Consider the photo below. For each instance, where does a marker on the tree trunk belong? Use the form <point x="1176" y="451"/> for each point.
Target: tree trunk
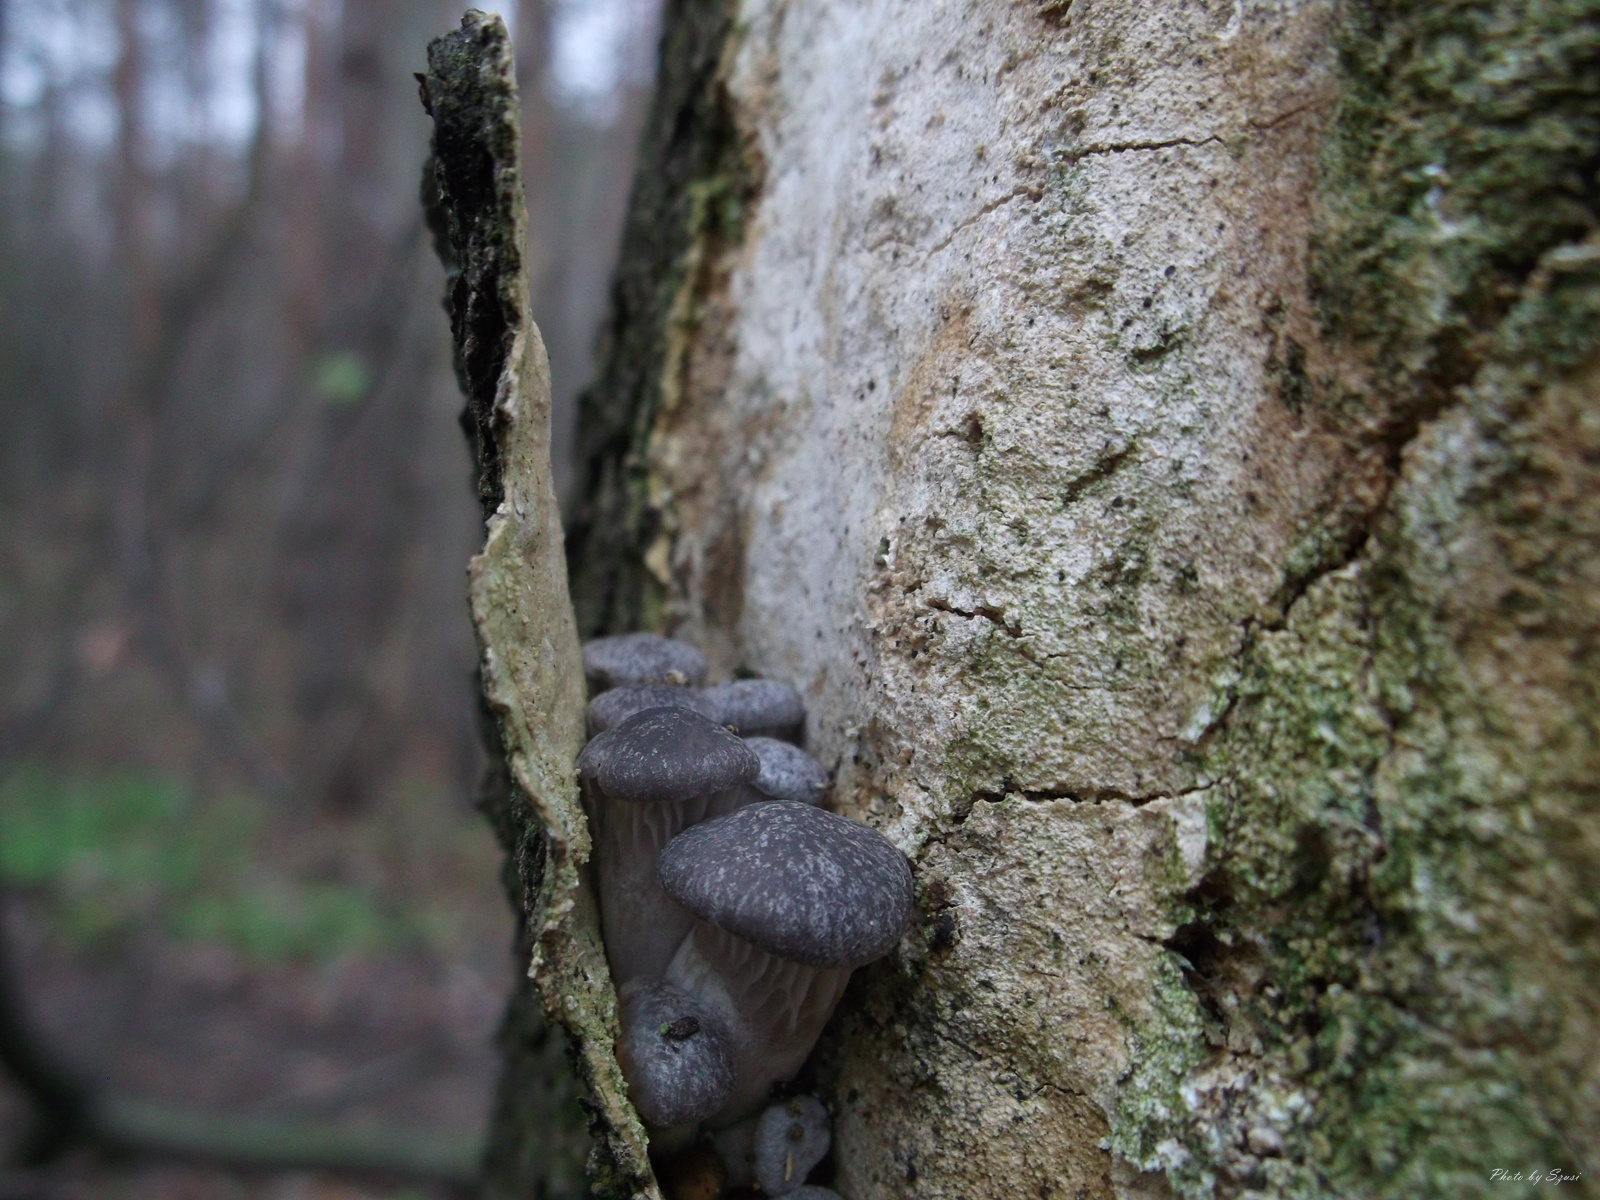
<point x="1162" y="442"/>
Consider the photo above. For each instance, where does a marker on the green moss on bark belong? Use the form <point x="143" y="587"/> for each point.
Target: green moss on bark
<point x="1396" y="929"/>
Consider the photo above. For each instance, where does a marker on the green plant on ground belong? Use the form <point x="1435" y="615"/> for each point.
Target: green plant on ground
<point x="107" y="851"/>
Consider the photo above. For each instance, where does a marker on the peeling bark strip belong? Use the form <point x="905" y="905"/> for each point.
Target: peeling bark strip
<point x="531" y="670"/>
<point x="1160" y="441"/>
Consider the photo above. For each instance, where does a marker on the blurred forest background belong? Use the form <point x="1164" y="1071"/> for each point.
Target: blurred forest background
<point x="241" y="870"/>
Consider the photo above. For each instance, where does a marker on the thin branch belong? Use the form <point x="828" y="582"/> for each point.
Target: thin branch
<point x="156" y="1131"/>
<point x="178" y="309"/>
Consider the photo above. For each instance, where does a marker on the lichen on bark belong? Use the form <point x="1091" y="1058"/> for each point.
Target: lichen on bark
<point x="1396" y="930"/>
<point x="530" y="668"/>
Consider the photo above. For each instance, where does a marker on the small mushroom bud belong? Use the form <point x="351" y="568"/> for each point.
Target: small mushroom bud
<point x="787" y="773"/>
<point x="789" y="899"/>
<point x="758" y="708"/>
<point x="791" y="1139"/>
<point x="612" y="708"/>
<point x="675" y="1055"/>
<point x="645" y="781"/>
<point x="610" y="662"/>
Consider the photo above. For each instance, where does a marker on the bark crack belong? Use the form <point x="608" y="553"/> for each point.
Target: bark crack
<point x="1098" y="148"/>
<point x="1107" y="465"/>
<point x="1030" y="190"/>
<point x="986" y="612"/>
<point x="1094" y="795"/>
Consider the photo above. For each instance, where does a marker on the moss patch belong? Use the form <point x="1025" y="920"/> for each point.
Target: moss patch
<point x="1396" y="934"/>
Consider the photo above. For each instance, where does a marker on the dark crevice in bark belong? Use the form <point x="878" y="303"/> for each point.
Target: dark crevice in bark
<point x="1099" y="795"/>
<point x="984" y="612"/>
<point x="464" y="198"/>
<point x="695" y="179"/>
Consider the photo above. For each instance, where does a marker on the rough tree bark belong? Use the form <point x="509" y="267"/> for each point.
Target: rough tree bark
<point x="532" y="677"/>
<point x="1163" y="442"/>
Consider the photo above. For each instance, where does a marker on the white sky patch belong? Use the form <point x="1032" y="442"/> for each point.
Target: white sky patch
<point x="214" y="105"/>
<point x="286" y="70"/>
<point x="66" y="47"/>
<point x="231" y="108"/>
<point x="69" y="48"/>
<point x="597" y="48"/>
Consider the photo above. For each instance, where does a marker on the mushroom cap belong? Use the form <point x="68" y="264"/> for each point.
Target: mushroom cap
<point x="610" y="662"/>
<point x="799" y="882"/>
<point x="666" y="755"/>
<point x="676" y="1054"/>
<point x="791" y="1139"/>
<point x="753" y="706"/>
<point x="612" y="708"/>
<point x="788" y="772"/>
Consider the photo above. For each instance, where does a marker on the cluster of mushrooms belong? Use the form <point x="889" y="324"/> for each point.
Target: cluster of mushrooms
<point x="734" y="906"/>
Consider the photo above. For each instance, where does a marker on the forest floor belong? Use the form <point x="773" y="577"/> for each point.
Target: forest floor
<point x="227" y="958"/>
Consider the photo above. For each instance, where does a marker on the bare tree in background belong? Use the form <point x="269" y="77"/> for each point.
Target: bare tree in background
<point x="233" y="499"/>
<point x="222" y="349"/>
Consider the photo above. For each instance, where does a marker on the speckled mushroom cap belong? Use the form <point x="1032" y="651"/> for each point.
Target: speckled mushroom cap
<point x="799" y="882"/>
<point x="610" y="662"/>
<point x="791" y="1139"/>
<point x="788" y="772"/>
<point x="674" y="1053"/>
<point x="612" y="708"/>
<point x="666" y="755"/>
<point x="756" y="706"/>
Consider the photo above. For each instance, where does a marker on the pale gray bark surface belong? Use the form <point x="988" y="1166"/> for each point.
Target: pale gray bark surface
<point x="1160" y="440"/>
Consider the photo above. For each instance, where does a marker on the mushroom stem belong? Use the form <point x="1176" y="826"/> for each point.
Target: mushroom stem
<point x="775" y="1008"/>
<point x="642" y="926"/>
<point x="644" y="782"/>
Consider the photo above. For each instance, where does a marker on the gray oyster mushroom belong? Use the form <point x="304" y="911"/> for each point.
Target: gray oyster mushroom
<point x="758" y="708"/>
<point x="676" y="1055"/>
<point x="645" y="781"/>
<point x="787" y="773"/>
<point x="611" y="708"/>
<point x="791" y="1139"/>
<point x="610" y="662"/>
<point x="788" y="900"/>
